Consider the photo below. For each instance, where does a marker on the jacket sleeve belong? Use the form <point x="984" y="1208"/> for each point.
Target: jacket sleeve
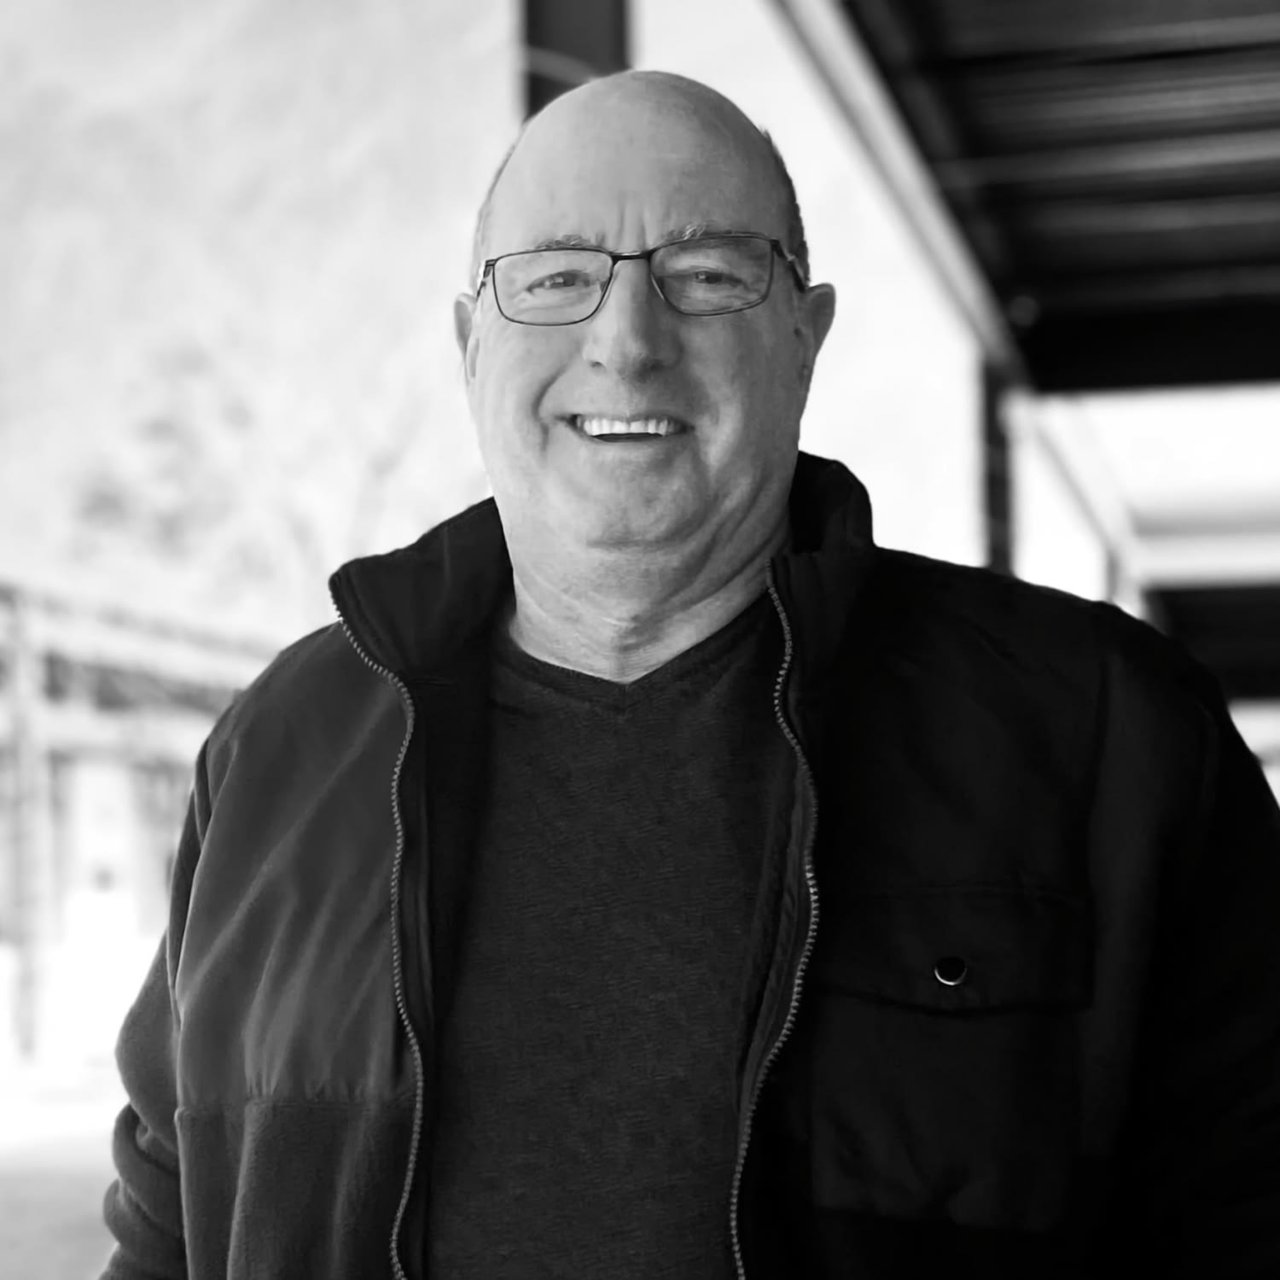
<point x="143" y="1206"/>
<point x="1207" y="1096"/>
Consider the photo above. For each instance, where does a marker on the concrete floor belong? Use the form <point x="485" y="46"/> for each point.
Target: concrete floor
<point x="55" y="1167"/>
<point x="51" y="1219"/>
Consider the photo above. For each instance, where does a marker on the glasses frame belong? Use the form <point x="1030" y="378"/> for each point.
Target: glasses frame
<point x="646" y="256"/>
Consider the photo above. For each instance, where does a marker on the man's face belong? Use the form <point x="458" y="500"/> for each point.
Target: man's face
<point x="626" y="165"/>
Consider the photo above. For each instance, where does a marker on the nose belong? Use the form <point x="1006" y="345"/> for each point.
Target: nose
<point x="635" y="331"/>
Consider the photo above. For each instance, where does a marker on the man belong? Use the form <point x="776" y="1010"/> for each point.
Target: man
<point x="653" y="877"/>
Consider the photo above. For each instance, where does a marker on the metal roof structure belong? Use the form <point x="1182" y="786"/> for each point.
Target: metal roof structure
<point x="1113" y="167"/>
<point x="1097" y="185"/>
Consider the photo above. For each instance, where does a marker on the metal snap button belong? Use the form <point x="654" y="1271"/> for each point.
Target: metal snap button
<point x="951" y="971"/>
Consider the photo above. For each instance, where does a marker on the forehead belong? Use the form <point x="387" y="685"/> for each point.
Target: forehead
<point x="636" y="171"/>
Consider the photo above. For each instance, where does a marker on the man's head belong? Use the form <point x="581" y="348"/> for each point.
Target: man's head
<point x="627" y="163"/>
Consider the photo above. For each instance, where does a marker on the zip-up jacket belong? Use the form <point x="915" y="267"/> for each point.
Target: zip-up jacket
<point x="1020" y="1014"/>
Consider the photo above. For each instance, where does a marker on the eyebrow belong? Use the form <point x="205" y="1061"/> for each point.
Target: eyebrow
<point x="686" y="231"/>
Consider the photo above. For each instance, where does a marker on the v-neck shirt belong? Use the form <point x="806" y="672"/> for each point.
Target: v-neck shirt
<point x="587" y="1100"/>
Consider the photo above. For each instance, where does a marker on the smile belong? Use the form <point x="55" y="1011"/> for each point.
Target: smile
<point x="610" y="430"/>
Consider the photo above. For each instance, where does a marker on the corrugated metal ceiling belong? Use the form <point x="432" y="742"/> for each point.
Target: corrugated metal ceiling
<point x="1114" y="166"/>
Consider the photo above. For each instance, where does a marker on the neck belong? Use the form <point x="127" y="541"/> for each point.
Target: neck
<point x="620" y="626"/>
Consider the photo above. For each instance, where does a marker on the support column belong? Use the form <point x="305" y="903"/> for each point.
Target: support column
<point x="32" y="828"/>
<point x="997" y="471"/>
<point x="568" y="42"/>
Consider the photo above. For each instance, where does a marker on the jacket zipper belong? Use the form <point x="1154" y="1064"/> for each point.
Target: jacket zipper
<point x="402" y="1007"/>
<point x="811" y="881"/>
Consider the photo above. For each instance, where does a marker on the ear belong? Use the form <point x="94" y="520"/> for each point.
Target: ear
<point x="817" y="311"/>
<point x="464" y="325"/>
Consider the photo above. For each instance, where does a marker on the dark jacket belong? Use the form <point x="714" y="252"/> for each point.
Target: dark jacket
<point x="1021" y="1016"/>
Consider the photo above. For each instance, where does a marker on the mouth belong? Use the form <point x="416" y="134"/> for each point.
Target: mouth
<point x="633" y="429"/>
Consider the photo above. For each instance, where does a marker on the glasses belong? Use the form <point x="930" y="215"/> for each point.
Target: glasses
<point x="701" y="276"/>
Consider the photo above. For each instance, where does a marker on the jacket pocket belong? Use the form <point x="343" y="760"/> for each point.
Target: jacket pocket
<point x="941" y="1044"/>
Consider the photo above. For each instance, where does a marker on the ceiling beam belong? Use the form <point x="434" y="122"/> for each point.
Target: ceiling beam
<point x="1095" y="29"/>
<point x="1157" y="290"/>
<point x="1203" y="156"/>
<point x="1128" y="350"/>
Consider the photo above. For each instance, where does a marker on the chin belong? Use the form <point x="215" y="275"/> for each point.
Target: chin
<point x="615" y="530"/>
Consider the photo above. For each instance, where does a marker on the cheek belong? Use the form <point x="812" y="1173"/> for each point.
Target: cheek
<point x="756" y="372"/>
<point x="514" y="368"/>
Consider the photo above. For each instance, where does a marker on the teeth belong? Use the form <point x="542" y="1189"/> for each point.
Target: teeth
<point x="630" y="427"/>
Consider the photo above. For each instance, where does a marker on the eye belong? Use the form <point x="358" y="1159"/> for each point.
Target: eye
<point x="712" y="275"/>
<point x="558" y="280"/>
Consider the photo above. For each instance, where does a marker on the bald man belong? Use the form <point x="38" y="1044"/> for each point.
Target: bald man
<point x="649" y="876"/>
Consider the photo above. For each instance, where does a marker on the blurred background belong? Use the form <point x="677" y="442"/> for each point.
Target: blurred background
<point x="230" y="234"/>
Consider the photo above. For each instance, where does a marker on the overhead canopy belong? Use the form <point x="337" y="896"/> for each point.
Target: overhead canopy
<point x="1097" y="186"/>
<point x="1113" y="167"/>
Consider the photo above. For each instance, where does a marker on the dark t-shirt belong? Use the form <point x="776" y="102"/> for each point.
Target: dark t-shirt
<point x="587" y="1121"/>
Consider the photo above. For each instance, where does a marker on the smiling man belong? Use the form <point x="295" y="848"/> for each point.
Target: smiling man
<point x="639" y="415"/>
<point x="648" y="875"/>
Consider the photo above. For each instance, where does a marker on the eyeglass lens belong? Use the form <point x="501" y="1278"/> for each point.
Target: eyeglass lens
<point x="703" y="276"/>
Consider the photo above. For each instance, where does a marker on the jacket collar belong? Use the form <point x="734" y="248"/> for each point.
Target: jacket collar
<point x="818" y="580"/>
<point x="416" y="608"/>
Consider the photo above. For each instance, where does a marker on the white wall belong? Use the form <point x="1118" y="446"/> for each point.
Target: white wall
<point x="1054" y="542"/>
<point x="1259" y="725"/>
<point x="895" y="393"/>
<point x="1071" y="516"/>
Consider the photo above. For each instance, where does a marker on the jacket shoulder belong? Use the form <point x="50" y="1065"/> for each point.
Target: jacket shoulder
<point x="310" y="686"/>
<point x="923" y="588"/>
<point x="1034" y="626"/>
